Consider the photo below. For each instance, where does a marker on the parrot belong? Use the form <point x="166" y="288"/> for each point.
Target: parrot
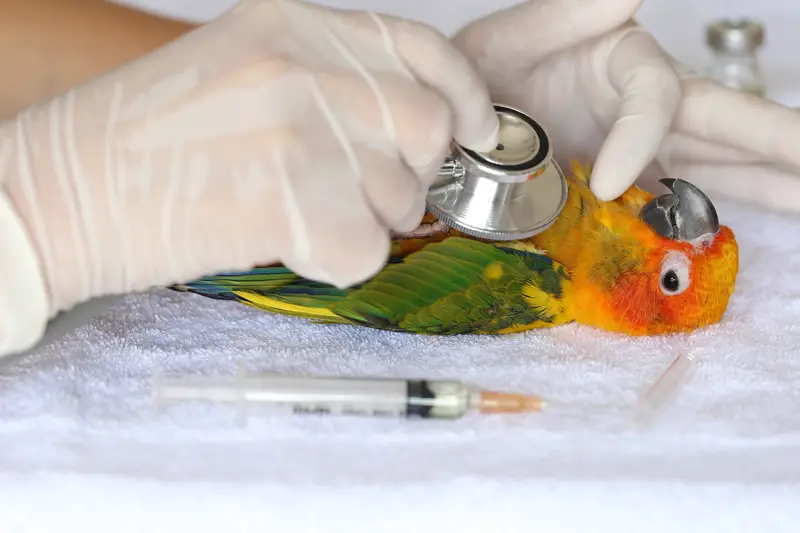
<point x="639" y="265"/>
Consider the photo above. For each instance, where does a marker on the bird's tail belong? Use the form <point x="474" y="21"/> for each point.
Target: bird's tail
<point x="273" y="289"/>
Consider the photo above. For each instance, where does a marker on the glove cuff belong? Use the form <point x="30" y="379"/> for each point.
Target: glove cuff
<point x="23" y="294"/>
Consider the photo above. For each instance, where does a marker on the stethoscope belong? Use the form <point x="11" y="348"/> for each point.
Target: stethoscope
<point x="513" y="192"/>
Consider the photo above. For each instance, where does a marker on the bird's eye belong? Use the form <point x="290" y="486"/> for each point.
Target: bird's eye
<point x="675" y="276"/>
<point x="670" y="281"/>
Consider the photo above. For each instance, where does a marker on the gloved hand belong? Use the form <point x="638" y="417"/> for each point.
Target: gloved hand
<point x="607" y="93"/>
<point x="281" y="131"/>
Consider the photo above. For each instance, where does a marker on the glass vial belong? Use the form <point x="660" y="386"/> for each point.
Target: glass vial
<point x="734" y="45"/>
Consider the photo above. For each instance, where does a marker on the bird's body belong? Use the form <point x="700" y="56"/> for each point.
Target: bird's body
<point x="599" y="264"/>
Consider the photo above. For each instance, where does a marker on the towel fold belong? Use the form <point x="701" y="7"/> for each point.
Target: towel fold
<point x="82" y="446"/>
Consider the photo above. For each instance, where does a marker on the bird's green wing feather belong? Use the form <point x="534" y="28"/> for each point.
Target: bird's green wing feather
<point x="455" y="286"/>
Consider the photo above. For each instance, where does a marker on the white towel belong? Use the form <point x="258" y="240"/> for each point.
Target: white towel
<point x="81" y="447"/>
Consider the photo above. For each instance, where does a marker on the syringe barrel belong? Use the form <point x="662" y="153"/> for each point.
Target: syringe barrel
<point x="323" y="395"/>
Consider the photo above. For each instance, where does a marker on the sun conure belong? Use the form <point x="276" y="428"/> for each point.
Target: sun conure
<point x="640" y="265"/>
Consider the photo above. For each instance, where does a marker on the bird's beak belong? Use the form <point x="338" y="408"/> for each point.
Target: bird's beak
<point x="686" y="214"/>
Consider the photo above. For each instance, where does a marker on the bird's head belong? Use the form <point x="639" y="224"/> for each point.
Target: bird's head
<point x="670" y="269"/>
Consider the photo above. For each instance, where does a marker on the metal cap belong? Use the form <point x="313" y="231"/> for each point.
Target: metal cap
<point x="513" y="192"/>
<point x="735" y="35"/>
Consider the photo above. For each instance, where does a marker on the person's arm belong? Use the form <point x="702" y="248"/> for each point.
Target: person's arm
<point x="49" y="46"/>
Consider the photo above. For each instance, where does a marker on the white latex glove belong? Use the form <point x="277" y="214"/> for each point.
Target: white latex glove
<point x="281" y="131"/>
<point x="608" y="94"/>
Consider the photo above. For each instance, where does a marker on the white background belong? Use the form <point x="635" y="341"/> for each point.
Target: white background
<point x="677" y="24"/>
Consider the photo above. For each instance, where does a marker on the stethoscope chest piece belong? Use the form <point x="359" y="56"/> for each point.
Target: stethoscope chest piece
<point x="513" y="192"/>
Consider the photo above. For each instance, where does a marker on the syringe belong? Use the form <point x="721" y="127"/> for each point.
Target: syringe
<point x="411" y="398"/>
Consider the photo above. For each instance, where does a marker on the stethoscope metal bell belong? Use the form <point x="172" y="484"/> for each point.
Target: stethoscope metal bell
<point x="513" y="192"/>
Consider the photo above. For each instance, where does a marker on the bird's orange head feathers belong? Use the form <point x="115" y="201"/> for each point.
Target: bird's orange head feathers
<point x="642" y="265"/>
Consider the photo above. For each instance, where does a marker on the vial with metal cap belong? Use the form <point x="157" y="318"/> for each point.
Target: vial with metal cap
<point x="734" y="44"/>
<point x="513" y="192"/>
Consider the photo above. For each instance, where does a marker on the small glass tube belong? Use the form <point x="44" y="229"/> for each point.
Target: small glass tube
<point x="734" y="44"/>
<point x="664" y="390"/>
